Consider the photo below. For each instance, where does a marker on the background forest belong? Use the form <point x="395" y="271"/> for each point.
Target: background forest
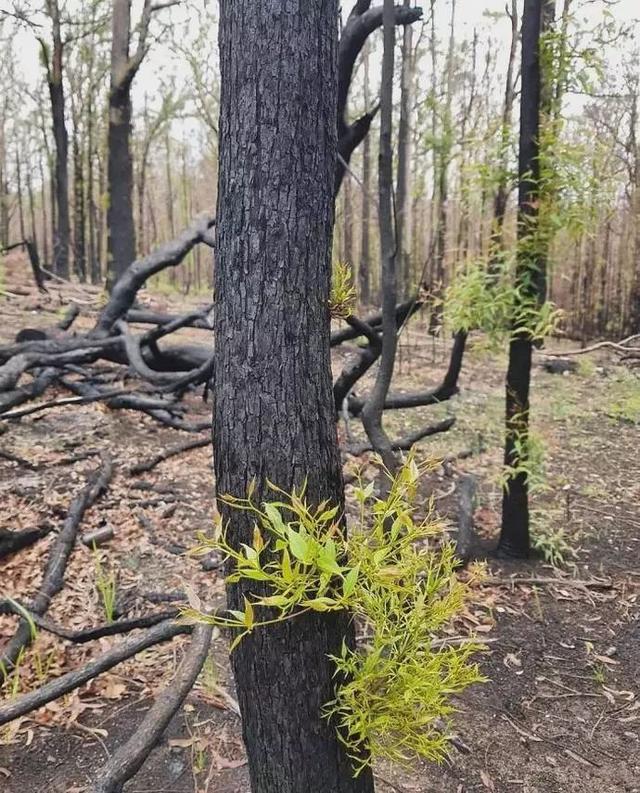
<point x="455" y="126"/>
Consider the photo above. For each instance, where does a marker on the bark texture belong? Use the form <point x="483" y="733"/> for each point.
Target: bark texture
<point x="121" y="231"/>
<point x="273" y="406"/>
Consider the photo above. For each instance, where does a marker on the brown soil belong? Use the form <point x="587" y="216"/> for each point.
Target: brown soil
<point x="561" y="708"/>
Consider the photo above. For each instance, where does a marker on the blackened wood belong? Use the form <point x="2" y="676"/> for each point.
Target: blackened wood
<point x="531" y="276"/>
<point x="403" y="311"/>
<point x="407" y="441"/>
<point x="53" y="579"/>
<point x="274" y="416"/>
<point x="127" y="760"/>
<point x="69" y="682"/>
<point x="12" y="541"/>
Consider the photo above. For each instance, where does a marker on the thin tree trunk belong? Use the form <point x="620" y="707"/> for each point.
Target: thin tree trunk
<point x="514" y="537"/>
<point x="403" y="185"/>
<point x="374" y="406"/>
<point x="62" y="228"/>
<point x="502" y="193"/>
<point x="45" y="223"/>
<point x="32" y="208"/>
<point x="121" y="237"/>
<point x="79" y="218"/>
<point x="364" y="271"/>
<point x="21" y="224"/>
<point x="273" y="406"/>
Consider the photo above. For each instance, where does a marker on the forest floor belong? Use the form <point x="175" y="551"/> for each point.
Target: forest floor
<point x="560" y="710"/>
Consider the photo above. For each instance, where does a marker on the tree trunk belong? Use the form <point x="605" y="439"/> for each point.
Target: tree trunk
<point x="403" y="186"/>
<point x="514" y="537"/>
<point x="21" y="225"/>
<point x="364" y="271"/>
<point x="121" y="237"/>
<point x="4" y="189"/>
<point x="62" y="228"/>
<point x="374" y="406"/>
<point x="273" y="406"/>
<point x="33" y="233"/>
<point x="502" y="193"/>
<point x="45" y="223"/>
<point x="79" y="218"/>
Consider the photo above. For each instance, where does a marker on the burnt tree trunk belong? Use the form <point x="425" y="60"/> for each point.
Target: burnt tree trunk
<point x="530" y="275"/>
<point x="273" y="406"/>
<point x="364" y="270"/>
<point x="403" y="183"/>
<point x="374" y="406"/>
<point x="61" y="233"/>
<point x="121" y="238"/>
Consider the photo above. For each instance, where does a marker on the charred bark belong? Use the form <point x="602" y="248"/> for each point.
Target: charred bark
<point x="273" y="409"/>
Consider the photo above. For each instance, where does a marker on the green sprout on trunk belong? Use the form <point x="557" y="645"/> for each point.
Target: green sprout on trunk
<point x="390" y="575"/>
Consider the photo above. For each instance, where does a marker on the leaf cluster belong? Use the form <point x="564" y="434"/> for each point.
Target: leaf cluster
<point x="490" y="298"/>
<point x="342" y="299"/>
<point x="393" y="691"/>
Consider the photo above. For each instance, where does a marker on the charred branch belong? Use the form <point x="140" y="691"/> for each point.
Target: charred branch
<point x="447" y="389"/>
<point x="12" y="541"/>
<point x="406" y="442"/>
<point x="128" y="759"/>
<point x="53" y="579"/>
<point x="69" y="682"/>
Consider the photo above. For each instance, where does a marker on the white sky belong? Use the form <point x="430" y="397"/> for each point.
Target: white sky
<point x="470" y="14"/>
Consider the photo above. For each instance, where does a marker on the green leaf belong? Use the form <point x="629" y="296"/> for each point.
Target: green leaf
<point x="287" y="572"/>
<point x="320" y="604"/>
<point x="275" y="518"/>
<point x="249" y="617"/>
<point x="350" y="580"/>
<point x="274" y="600"/>
<point x="298" y="544"/>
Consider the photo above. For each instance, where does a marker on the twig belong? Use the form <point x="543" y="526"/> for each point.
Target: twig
<point x="88" y="634"/>
<point x="72" y="680"/>
<point x="128" y="759"/>
<point x="593" y="583"/>
<point x="148" y="465"/>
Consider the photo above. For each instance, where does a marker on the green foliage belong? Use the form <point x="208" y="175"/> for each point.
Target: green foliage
<point x="529" y="458"/>
<point x="396" y="687"/>
<point x="497" y="304"/>
<point x="106" y="585"/>
<point x="549" y="539"/>
<point x="342" y="299"/>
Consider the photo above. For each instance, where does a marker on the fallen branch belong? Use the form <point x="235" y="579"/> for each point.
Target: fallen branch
<point x="619" y="346"/>
<point x="13" y="541"/>
<point x="53" y="579"/>
<point x="447" y="389"/>
<point x="148" y="465"/>
<point x="72" y="680"/>
<point x="128" y="759"/>
<point x="15" y="458"/>
<point x="126" y="287"/>
<point x="593" y="583"/>
<point x="405" y="443"/>
<point x="87" y="634"/>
